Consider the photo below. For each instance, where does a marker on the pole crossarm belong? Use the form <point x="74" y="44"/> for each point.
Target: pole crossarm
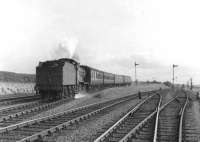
<point x="136" y="64"/>
<point x="175" y="65"/>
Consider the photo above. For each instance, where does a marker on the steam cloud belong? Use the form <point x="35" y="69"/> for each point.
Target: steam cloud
<point x="67" y="49"/>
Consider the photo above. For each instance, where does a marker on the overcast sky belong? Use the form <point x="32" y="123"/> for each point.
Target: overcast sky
<point x="105" y="34"/>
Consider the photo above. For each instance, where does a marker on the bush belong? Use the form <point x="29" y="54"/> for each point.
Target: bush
<point x="167" y="83"/>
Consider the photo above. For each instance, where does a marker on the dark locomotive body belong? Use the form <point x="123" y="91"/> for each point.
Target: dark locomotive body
<point x="63" y="78"/>
<point x="57" y="79"/>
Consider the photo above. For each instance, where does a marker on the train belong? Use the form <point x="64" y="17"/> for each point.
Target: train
<point x="65" y="77"/>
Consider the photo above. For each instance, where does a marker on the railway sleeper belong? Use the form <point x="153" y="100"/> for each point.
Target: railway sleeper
<point x="167" y="133"/>
<point x="167" y="139"/>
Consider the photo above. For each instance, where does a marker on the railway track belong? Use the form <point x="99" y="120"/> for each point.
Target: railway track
<point x="17" y="100"/>
<point x="161" y="124"/>
<point x="13" y="115"/>
<point x="37" y="128"/>
<point x="191" y="127"/>
<point x="5" y="111"/>
<point x="170" y="120"/>
<point x="18" y="113"/>
<point x="130" y="123"/>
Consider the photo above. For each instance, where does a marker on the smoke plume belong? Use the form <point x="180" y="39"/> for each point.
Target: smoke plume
<point x="67" y="49"/>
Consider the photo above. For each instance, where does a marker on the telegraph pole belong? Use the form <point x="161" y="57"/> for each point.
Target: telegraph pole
<point x="136" y="72"/>
<point x="191" y="84"/>
<point x="188" y="86"/>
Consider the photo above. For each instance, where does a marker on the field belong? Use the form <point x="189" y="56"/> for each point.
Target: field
<point x="9" y="88"/>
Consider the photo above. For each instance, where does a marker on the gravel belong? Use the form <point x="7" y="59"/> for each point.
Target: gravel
<point x="89" y="130"/>
<point x="192" y="123"/>
<point x="95" y="126"/>
<point x="92" y="128"/>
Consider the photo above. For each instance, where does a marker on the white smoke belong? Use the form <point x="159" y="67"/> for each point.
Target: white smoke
<point x="70" y="44"/>
<point x="66" y="49"/>
<point x="61" y="52"/>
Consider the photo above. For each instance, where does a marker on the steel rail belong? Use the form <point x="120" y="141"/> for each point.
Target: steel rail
<point x="160" y="109"/>
<point x="65" y="124"/>
<point x="156" y="123"/>
<point x="60" y="126"/>
<point x="34" y="121"/>
<point x="28" y="97"/>
<point x="34" y="109"/>
<point x="129" y="135"/>
<point x="11" y="127"/>
<point x="7" y="108"/>
<point x="111" y="129"/>
<point x="141" y="124"/>
<point x="181" y="119"/>
<point x="157" y="117"/>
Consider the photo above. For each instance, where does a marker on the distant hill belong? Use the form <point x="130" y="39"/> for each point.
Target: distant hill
<point x="16" y="77"/>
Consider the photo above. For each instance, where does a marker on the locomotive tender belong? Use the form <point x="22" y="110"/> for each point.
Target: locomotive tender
<point x="63" y="78"/>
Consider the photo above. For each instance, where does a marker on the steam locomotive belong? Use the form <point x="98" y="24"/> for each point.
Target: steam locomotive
<point x="63" y="78"/>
